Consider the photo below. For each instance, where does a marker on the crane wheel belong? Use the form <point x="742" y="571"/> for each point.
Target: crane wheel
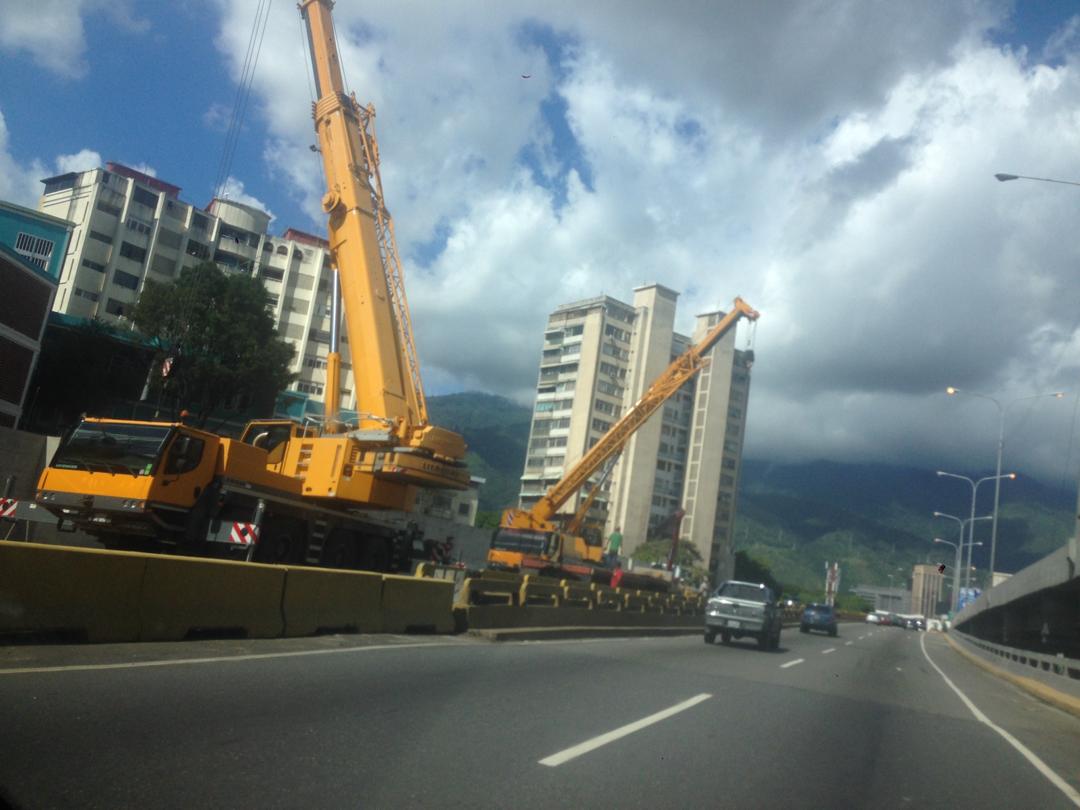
<point x="339" y="550"/>
<point x="281" y="541"/>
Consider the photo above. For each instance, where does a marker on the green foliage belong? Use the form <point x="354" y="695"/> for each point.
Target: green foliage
<point x="223" y="338"/>
<point x="487" y="520"/>
<point x="658" y="550"/>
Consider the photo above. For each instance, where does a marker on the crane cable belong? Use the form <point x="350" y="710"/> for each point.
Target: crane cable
<point x="243" y="93"/>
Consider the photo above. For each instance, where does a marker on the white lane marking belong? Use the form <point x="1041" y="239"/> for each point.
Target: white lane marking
<point x="848" y="643"/>
<point x="220" y="659"/>
<point x="792" y="663"/>
<point x="568" y="754"/>
<point x="826" y="652"/>
<point x="899" y="670"/>
<point x="861" y="638"/>
<point x="1030" y="756"/>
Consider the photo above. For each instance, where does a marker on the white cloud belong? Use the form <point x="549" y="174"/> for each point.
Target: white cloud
<point x="18" y="184"/>
<point x="233" y="189"/>
<point x="81" y="161"/>
<point x="51" y="31"/>
<point x="144" y="168"/>
<point x="832" y="163"/>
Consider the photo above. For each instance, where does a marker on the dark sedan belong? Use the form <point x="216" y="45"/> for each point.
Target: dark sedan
<point x="818" y="617"/>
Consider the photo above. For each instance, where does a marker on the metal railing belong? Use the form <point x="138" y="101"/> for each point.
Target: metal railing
<point x="1050" y="664"/>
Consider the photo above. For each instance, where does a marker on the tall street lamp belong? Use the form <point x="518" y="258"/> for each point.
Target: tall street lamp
<point x="974" y="490"/>
<point x="1002" y="411"/>
<point x="959" y="550"/>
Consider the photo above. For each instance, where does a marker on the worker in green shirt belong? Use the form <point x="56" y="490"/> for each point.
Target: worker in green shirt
<point x="614" y="544"/>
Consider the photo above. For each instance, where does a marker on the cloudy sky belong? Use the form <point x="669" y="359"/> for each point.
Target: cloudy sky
<point x="830" y="162"/>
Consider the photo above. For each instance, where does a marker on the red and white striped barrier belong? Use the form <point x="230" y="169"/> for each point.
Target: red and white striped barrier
<point x="244" y="534"/>
<point x="8" y="507"/>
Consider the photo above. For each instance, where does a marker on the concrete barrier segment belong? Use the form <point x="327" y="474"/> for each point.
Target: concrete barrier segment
<point x="319" y="600"/>
<point x="186" y="597"/>
<point x="415" y="605"/>
<point x="89" y="593"/>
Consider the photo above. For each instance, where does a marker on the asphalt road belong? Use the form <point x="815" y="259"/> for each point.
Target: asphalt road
<point x="862" y="720"/>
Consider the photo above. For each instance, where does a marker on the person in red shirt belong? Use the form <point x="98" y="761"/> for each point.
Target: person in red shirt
<point x="616" y="575"/>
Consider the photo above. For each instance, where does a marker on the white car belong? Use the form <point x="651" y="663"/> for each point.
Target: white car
<point x="873" y="618"/>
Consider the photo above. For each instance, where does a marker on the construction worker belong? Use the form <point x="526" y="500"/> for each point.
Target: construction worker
<point x="614" y="544"/>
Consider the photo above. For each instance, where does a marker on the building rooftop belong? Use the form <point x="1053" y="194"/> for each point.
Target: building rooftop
<point x="146" y="179"/>
<point x="33" y="213"/>
<point x="298" y="235"/>
<point x="592" y="303"/>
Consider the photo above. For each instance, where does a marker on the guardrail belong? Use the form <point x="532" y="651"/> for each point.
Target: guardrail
<point x="1050" y="664"/>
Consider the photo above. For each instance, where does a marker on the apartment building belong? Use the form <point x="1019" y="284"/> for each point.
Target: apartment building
<point x="129" y="227"/>
<point x="927" y="584"/>
<point x="32" y="247"/>
<point x="600" y="355"/>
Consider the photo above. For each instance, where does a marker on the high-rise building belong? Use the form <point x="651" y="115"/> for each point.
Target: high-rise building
<point x="130" y="227"/>
<point x="926" y="586"/>
<point x="600" y="355"/>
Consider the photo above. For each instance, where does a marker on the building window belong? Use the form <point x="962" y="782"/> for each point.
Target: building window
<point x="144" y="197"/>
<point x="114" y="307"/>
<point x="138" y="225"/>
<point x="272" y="273"/>
<point x="604" y="407"/>
<point x="314" y="362"/>
<point x="100" y="268"/>
<point x="106" y="208"/>
<point x="99" y="236"/>
<point x="126" y="280"/>
<point x="34" y="248"/>
<point x="272" y="300"/>
<point x="197" y="249"/>
<point x="90" y="296"/>
<point x="199" y="222"/>
<point x="163" y="265"/>
<point x="309" y="388"/>
<point x="60" y="183"/>
<point x="319" y="336"/>
<point x="282" y="250"/>
<point x="133" y="252"/>
<point x="600" y="425"/>
<point x="170" y="239"/>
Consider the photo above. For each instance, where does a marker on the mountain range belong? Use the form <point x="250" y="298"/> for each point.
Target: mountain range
<point x="875" y="519"/>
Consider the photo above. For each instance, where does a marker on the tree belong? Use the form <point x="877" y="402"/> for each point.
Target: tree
<point x="224" y="346"/>
<point x="748" y="569"/>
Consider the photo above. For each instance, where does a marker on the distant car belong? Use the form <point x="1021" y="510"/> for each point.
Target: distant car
<point x="873" y="618"/>
<point x="934" y="624"/>
<point x="818" y="617"/>
<point x="740" y="609"/>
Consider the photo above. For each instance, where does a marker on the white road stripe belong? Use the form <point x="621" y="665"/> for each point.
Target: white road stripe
<point x="596" y="742"/>
<point x="861" y="638"/>
<point x="220" y="659"/>
<point x="1030" y="756"/>
<point x="848" y="643"/>
<point x="826" y="652"/>
<point x="792" y="663"/>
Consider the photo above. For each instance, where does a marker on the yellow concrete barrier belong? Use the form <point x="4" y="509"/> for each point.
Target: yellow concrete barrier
<point x="502" y="590"/>
<point x="185" y="596"/>
<point x="539" y="591"/>
<point x="606" y="598"/>
<point x="56" y="589"/>
<point x="576" y="594"/>
<point x="320" y="600"/>
<point x="633" y="600"/>
<point x="413" y="604"/>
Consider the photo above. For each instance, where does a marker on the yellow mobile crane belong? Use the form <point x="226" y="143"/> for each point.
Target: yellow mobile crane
<point x="533" y="538"/>
<point x="332" y="494"/>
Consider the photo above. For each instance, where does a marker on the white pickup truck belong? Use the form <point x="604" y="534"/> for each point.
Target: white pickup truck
<point x="738" y="609"/>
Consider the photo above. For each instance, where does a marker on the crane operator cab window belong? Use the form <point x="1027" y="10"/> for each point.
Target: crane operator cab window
<point x="184" y="455"/>
<point x="272" y="438"/>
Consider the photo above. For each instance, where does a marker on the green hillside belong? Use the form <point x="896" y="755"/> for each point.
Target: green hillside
<point x="874" y="519"/>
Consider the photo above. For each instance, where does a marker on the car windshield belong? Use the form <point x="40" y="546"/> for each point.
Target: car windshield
<point x="740" y="590"/>
<point x="113" y="447"/>
<point x="819" y="608"/>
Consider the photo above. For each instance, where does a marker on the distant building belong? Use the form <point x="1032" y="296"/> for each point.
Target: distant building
<point x="32" y="250"/>
<point x="129" y="227"/>
<point x="599" y="356"/>
<point x="459" y="506"/>
<point x="926" y="587"/>
<point x="890" y="600"/>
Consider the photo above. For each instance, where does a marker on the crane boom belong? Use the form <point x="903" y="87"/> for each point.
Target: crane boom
<point x="362" y="238"/>
<point x="681" y="369"/>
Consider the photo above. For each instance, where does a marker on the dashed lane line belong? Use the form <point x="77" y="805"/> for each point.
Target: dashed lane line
<point x="792" y="663"/>
<point x="848" y="643"/>
<point x="576" y="751"/>
<point x="826" y="652"/>
<point x="1025" y="752"/>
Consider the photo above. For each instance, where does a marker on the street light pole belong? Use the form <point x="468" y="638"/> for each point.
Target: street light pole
<point x="1004" y="177"/>
<point x="1002" y="411"/>
<point x="959" y="551"/>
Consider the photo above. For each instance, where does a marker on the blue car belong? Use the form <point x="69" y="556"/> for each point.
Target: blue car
<point x="818" y="617"/>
